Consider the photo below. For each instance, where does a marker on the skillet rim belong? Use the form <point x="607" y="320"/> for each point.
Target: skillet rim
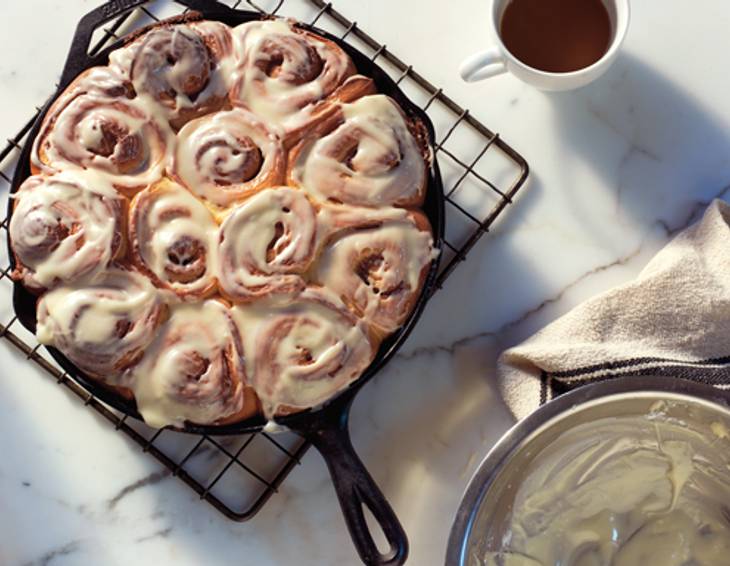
<point x="24" y="302"/>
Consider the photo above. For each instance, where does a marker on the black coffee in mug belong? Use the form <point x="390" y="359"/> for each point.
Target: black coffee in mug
<point x="558" y="36"/>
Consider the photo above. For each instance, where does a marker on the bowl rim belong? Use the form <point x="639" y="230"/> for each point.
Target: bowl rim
<point x="540" y="420"/>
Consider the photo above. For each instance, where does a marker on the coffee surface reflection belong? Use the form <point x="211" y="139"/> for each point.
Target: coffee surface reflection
<point x="558" y="36"/>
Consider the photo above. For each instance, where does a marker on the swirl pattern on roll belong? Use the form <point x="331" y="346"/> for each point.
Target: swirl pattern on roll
<point x="100" y="81"/>
<point x="305" y="349"/>
<point x="111" y="136"/>
<point x="63" y="228"/>
<point x="219" y="41"/>
<point x="194" y="371"/>
<point x="104" y="325"/>
<point x="288" y="76"/>
<point x="226" y="156"/>
<point x="176" y="67"/>
<point x="378" y="271"/>
<point x="368" y="156"/>
<point x="266" y="244"/>
<point x="173" y="237"/>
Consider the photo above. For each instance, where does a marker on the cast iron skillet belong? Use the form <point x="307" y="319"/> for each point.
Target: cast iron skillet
<point x="327" y="426"/>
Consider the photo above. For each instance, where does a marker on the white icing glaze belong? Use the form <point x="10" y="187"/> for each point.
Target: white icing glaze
<point x="102" y="81"/>
<point x="115" y="137"/>
<point x="112" y="128"/>
<point x="266" y="243"/>
<point x="194" y="370"/>
<point x="334" y="218"/>
<point x="224" y="156"/>
<point x="217" y="36"/>
<point x="623" y="491"/>
<point x="174" y="237"/>
<point x="377" y="271"/>
<point x="720" y="430"/>
<point x="102" y="325"/>
<point x="64" y="227"/>
<point x="272" y="427"/>
<point x="369" y="159"/>
<point x="174" y="72"/>
<point x="281" y="74"/>
<point x="302" y="350"/>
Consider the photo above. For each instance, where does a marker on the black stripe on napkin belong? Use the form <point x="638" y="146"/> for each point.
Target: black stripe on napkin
<point x="621" y="364"/>
<point x="715" y="372"/>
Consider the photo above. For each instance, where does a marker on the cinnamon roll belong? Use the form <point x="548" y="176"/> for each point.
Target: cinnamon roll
<point x="102" y="326"/>
<point x="172" y="237"/>
<point x="194" y="371"/>
<point x="306" y="349"/>
<point x="100" y="81"/>
<point x="63" y="228"/>
<point x="266" y="244"/>
<point x="378" y="271"/>
<point x="219" y="41"/>
<point x="177" y="69"/>
<point x="226" y="156"/>
<point x="112" y="136"/>
<point x="365" y="155"/>
<point x="290" y="77"/>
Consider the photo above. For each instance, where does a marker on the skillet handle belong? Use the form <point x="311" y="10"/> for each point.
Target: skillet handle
<point x="355" y="490"/>
<point x="78" y="57"/>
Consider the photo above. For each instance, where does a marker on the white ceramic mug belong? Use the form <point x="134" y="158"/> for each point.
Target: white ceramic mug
<point x="498" y="59"/>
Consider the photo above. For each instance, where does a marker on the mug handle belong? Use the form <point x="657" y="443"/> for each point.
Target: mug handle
<point x="483" y="65"/>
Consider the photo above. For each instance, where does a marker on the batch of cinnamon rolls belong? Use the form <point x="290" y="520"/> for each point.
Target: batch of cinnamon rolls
<point x="223" y="222"/>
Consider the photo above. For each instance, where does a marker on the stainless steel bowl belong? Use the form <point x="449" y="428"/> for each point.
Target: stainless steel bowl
<point x="486" y="504"/>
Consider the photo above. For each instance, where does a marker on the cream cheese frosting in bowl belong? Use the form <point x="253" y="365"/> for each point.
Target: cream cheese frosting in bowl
<point x="624" y="473"/>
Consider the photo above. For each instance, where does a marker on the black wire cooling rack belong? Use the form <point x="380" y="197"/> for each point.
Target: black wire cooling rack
<point x="481" y="174"/>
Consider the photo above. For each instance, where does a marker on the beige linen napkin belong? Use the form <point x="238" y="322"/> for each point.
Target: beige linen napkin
<point x="673" y="320"/>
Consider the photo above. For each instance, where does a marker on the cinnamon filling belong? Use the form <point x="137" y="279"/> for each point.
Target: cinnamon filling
<point x="226" y="170"/>
<point x="48" y="236"/>
<point x="275" y="246"/>
<point x="172" y="62"/>
<point x="121" y="328"/>
<point x="335" y="371"/>
<point x="400" y="287"/>
<point x="167" y="97"/>
<point x="197" y="374"/>
<point x="367" y="264"/>
<point x="349" y="148"/>
<point x="129" y="155"/>
<point x="272" y="66"/>
<point x="291" y="60"/>
<point x="304" y="356"/>
<point x="122" y="90"/>
<point x="187" y="260"/>
<point x="171" y="213"/>
<point x="190" y="53"/>
<point x="345" y="148"/>
<point x="116" y="143"/>
<point x="386" y="160"/>
<point x="195" y="367"/>
<point x="110" y="134"/>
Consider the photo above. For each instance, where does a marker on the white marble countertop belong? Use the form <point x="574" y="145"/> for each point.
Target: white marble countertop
<point x="617" y="168"/>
